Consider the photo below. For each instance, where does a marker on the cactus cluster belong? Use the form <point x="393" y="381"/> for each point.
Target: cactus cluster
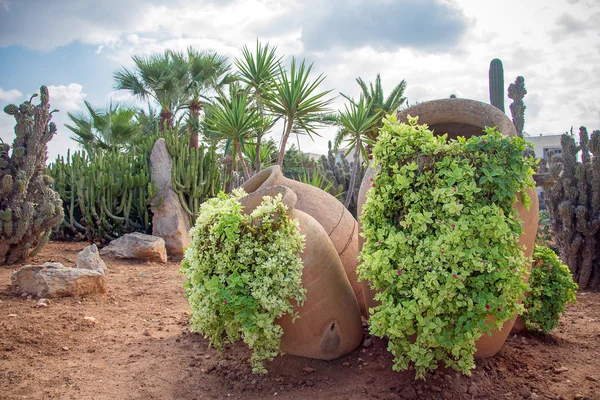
<point x="105" y="196"/>
<point x="496" y="77"/>
<point x="572" y="196"/>
<point x="195" y="176"/>
<point x="340" y="174"/>
<point x="29" y="208"/>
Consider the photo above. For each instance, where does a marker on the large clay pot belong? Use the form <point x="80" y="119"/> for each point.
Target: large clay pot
<point x="462" y="117"/>
<point x="329" y="323"/>
<point x="340" y="225"/>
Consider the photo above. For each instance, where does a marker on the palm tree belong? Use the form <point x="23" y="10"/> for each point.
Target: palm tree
<point x="161" y="77"/>
<point x="113" y="128"/>
<point x="295" y="99"/>
<point x="356" y="122"/>
<point x="207" y="70"/>
<point x="258" y="71"/>
<point x="236" y="121"/>
<point x="380" y="106"/>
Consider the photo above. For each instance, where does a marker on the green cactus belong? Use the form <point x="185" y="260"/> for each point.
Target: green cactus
<point x="516" y="92"/>
<point x="29" y="208"/>
<point x="572" y="197"/>
<point x="195" y="176"/>
<point x="496" y="77"/>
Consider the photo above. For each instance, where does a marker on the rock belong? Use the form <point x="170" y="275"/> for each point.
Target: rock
<point x="56" y="280"/>
<point x="65" y="348"/>
<point x="591" y="378"/>
<point x="367" y="342"/>
<point x="89" y="258"/>
<point x="42" y="303"/>
<point x="12" y="315"/>
<point x="473" y="389"/>
<point x="534" y="396"/>
<point x="308" y="370"/>
<point x="146" y="332"/>
<point x="560" y="370"/>
<point x="436" y="388"/>
<point x="137" y="246"/>
<point x="90" y="319"/>
<point x="346" y="364"/>
<point x="169" y="220"/>
<point x="408" y="393"/>
<point x="525" y="392"/>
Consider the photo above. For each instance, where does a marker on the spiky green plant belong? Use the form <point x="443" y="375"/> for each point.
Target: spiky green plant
<point x="496" y="77"/>
<point x="29" y="208"/>
<point x="516" y="92"/>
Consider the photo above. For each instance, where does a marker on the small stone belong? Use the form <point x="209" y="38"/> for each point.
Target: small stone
<point x="436" y="388"/>
<point x="591" y="378"/>
<point x="578" y="397"/>
<point x="309" y="370"/>
<point x="560" y="370"/>
<point x="42" y="303"/>
<point x="146" y="332"/>
<point x="525" y="392"/>
<point x="346" y="364"/>
<point x="472" y="390"/>
<point x="367" y="342"/>
<point x="29" y="297"/>
<point x="207" y="357"/>
<point x="65" y="348"/>
<point x="534" y="396"/>
<point x="12" y="315"/>
<point x="90" y="319"/>
<point x="408" y="393"/>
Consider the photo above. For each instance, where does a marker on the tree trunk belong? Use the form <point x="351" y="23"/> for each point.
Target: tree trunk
<point x="166" y="120"/>
<point x="353" y="179"/>
<point x="257" y="165"/>
<point x="284" y="139"/>
<point x="195" y="108"/>
<point x="241" y="155"/>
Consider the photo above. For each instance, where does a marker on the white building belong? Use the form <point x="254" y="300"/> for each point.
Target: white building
<point x="543" y="144"/>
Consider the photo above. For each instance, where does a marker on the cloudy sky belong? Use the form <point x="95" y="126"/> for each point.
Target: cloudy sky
<point x="440" y="47"/>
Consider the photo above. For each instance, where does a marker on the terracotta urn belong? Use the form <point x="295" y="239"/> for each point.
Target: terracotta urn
<point x="329" y="323"/>
<point x="463" y="117"/>
<point x="340" y="225"/>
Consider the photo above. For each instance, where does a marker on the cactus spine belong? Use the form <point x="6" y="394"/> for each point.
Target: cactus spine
<point x="516" y="92"/>
<point x="496" y="77"/>
<point x="572" y="196"/>
<point x="29" y="208"/>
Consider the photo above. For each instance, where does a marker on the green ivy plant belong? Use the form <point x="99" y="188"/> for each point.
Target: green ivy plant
<point x="242" y="272"/>
<point x="552" y="287"/>
<point x="441" y="247"/>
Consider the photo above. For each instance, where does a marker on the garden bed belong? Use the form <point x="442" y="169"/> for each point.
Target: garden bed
<point x="137" y="345"/>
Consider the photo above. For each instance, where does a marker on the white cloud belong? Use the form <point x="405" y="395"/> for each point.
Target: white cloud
<point x="10" y="95"/>
<point x="67" y="98"/>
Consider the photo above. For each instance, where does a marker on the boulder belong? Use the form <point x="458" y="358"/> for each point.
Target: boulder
<point x="56" y="280"/>
<point x="89" y="258"/>
<point x="169" y="220"/>
<point x="138" y="246"/>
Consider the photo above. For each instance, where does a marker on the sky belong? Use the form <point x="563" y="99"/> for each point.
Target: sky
<point x="440" y="47"/>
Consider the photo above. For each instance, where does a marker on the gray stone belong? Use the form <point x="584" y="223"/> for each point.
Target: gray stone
<point x="89" y="258"/>
<point x="137" y="246"/>
<point x="169" y="220"/>
<point x="55" y="280"/>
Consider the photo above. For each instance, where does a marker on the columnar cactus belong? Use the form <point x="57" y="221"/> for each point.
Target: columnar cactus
<point x="572" y="196"/>
<point x="29" y="209"/>
<point x="516" y="92"/>
<point x="496" y="76"/>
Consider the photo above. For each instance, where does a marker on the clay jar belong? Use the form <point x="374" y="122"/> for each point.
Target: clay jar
<point x="329" y="323"/>
<point x="340" y="225"/>
<point x="462" y="117"/>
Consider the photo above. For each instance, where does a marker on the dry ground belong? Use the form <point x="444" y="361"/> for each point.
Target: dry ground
<point x="140" y="347"/>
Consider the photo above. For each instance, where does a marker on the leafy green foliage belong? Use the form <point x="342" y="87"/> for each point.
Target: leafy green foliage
<point x="441" y="245"/>
<point x="241" y="273"/>
<point x="552" y="287"/>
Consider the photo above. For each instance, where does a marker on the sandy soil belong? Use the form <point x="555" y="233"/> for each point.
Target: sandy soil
<point x="138" y="346"/>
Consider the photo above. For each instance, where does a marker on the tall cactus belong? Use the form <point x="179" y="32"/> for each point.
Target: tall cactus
<point x="572" y="196"/>
<point x="516" y="92"/>
<point x="29" y="208"/>
<point x="195" y="176"/>
<point x="496" y="77"/>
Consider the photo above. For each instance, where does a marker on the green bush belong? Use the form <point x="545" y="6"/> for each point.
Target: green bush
<point x="441" y="245"/>
<point x="552" y="287"/>
<point x="241" y="273"/>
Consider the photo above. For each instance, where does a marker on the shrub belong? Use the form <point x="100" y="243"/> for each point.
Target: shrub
<point x="552" y="287"/>
<point x="441" y="245"/>
<point x="241" y="271"/>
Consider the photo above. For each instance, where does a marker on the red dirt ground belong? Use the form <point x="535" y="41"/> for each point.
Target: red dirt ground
<point x="140" y="347"/>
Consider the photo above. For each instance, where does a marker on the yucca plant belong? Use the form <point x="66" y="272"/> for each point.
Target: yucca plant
<point x="297" y="100"/>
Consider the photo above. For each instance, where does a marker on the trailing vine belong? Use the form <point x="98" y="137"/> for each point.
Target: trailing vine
<point x="441" y="247"/>
<point x="241" y="273"/>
